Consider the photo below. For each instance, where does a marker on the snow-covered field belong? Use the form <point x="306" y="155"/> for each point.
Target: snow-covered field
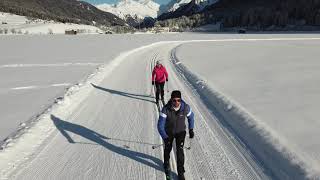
<point x="15" y="24"/>
<point x="272" y="83"/>
<point x="64" y="60"/>
<point x="105" y="126"/>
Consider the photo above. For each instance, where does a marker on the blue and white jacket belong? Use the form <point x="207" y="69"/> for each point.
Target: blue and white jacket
<point x="172" y="122"/>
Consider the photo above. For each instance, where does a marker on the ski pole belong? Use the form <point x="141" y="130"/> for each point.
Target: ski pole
<point x="157" y="146"/>
<point x="151" y="91"/>
<point x="167" y="86"/>
<point x="155" y="90"/>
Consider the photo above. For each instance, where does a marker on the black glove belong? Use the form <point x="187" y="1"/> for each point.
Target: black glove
<point x="152" y="82"/>
<point x="166" y="141"/>
<point x="167" y="79"/>
<point x="191" y="133"/>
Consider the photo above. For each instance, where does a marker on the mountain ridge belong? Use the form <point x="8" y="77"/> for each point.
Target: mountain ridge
<point x="141" y="9"/>
<point x="72" y="11"/>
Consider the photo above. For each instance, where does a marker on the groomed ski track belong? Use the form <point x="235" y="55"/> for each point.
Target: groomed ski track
<point x="109" y="134"/>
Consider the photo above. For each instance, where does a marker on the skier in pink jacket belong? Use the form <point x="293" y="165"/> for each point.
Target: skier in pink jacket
<point x="159" y="77"/>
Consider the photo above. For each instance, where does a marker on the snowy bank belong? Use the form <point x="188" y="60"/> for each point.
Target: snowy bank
<point x="15" y="24"/>
<point x="261" y="141"/>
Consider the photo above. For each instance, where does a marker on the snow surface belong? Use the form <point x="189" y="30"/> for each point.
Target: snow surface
<point x="64" y="60"/>
<point x="89" y="131"/>
<point x="272" y="82"/>
<point x="23" y="25"/>
<point x="87" y="134"/>
<point x="141" y="9"/>
<point x="12" y="18"/>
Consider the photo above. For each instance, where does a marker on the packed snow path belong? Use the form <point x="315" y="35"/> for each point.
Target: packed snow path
<point x="111" y="133"/>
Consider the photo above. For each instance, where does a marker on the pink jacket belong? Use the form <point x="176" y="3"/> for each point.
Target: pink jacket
<point x="159" y="74"/>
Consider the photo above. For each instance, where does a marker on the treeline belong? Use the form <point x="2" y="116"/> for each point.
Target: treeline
<point x="255" y="14"/>
<point x="265" y="13"/>
<point x="182" y="23"/>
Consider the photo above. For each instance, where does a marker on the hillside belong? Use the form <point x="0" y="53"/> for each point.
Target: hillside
<point x="60" y="10"/>
<point x="253" y="14"/>
<point x="263" y="13"/>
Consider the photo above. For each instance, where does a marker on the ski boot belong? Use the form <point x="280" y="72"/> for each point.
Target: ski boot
<point x="167" y="171"/>
<point x="181" y="176"/>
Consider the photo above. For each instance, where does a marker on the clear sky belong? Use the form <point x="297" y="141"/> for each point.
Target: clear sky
<point x="114" y="1"/>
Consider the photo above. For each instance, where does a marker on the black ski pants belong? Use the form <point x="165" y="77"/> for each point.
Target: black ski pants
<point x="159" y="90"/>
<point x="180" y="138"/>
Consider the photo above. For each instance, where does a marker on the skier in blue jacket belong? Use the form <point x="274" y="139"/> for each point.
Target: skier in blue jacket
<point x="171" y="125"/>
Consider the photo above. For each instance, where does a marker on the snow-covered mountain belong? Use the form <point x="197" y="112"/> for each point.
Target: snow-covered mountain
<point x="135" y="8"/>
<point x="175" y="4"/>
<point x="71" y="11"/>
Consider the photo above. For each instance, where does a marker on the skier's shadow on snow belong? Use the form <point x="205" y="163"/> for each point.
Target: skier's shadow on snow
<point x="64" y="127"/>
<point x="130" y="95"/>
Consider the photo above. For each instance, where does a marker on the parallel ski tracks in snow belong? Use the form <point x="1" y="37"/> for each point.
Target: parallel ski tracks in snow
<point x="213" y="154"/>
<point x="153" y="60"/>
<point x="110" y="134"/>
<point x="224" y="157"/>
<point x="205" y="159"/>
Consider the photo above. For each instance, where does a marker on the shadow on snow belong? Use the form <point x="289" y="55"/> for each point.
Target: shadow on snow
<point x="130" y="95"/>
<point x="64" y="127"/>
